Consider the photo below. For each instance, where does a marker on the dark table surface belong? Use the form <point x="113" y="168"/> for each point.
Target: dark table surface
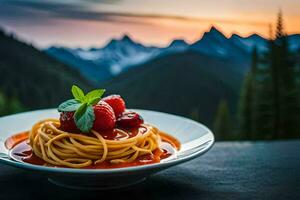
<point x="230" y="170"/>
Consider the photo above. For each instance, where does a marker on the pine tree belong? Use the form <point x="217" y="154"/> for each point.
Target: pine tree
<point x="222" y="123"/>
<point x="274" y="73"/>
<point x="269" y="104"/>
<point x="245" y="109"/>
<point x="262" y="103"/>
<point x="279" y="26"/>
<point x="286" y="102"/>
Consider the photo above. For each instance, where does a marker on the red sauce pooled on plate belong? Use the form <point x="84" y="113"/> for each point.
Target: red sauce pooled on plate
<point x="21" y="150"/>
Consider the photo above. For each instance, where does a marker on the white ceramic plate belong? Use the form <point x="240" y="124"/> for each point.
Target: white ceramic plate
<point x="195" y="139"/>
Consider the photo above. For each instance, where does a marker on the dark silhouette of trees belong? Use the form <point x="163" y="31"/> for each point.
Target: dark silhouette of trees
<point x="245" y="109"/>
<point x="286" y="99"/>
<point x="31" y="79"/>
<point x="269" y="102"/>
<point x="222" y="125"/>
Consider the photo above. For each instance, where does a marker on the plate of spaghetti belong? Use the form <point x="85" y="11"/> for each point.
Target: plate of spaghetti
<point x="90" y="142"/>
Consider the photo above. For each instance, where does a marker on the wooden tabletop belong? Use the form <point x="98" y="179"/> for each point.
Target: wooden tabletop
<point x="230" y="170"/>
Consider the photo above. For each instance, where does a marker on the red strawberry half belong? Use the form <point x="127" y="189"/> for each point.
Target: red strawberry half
<point x="67" y="122"/>
<point x="129" y="120"/>
<point x="117" y="103"/>
<point x="104" y="117"/>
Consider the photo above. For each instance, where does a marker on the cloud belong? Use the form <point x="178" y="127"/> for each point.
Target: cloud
<point x="81" y="10"/>
<point x="37" y="11"/>
<point x="34" y="12"/>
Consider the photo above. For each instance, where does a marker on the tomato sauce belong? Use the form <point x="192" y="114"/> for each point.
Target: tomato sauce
<point x="21" y="150"/>
<point x="16" y="139"/>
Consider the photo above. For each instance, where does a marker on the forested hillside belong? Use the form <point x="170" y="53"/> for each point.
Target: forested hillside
<point x="188" y="83"/>
<point x="30" y="78"/>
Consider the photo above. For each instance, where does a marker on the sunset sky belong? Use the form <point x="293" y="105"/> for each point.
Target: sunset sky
<point x="86" y="23"/>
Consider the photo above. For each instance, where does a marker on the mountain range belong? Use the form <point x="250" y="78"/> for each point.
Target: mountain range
<point x="118" y="55"/>
<point x="184" y="79"/>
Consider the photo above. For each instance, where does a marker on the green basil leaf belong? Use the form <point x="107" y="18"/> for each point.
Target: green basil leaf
<point x="93" y="101"/>
<point x="84" y="118"/>
<point x="69" y="105"/>
<point x="79" y="112"/>
<point x="94" y="94"/>
<point x="78" y="93"/>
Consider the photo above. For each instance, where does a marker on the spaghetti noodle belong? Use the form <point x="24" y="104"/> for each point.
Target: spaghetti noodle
<point x="60" y="148"/>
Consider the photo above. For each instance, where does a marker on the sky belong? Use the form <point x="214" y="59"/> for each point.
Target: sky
<point x="92" y="23"/>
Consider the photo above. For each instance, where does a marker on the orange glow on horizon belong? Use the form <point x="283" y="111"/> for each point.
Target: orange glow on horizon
<point x="147" y="30"/>
<point x="151" y="22"/>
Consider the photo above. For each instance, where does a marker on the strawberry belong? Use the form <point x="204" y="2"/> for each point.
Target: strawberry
<point x="129" y="119"/>
<point x="67" y="122"/>
<point x="116" y="102"/>
<point x="104" y="117"/>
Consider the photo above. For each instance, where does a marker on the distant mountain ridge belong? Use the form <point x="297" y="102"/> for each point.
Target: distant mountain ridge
<point x="214" y="43"/>
<point x="101" y="64"/>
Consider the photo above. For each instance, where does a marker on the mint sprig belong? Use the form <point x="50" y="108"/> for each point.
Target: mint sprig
<point x="83" y="106"/>
<point x="77" y="93"/>
<point x="69" y="105"/>
<point x="84" y="117"/>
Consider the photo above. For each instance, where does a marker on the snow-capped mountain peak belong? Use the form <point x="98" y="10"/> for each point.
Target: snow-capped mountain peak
<point x="123" y="41"/>
<point x="117" y="54"/>
<point x="121" y="53"/>
<point x="213" y="42"/>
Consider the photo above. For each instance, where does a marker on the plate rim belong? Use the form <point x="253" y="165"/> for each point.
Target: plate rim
<point x="206" y="146"/>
